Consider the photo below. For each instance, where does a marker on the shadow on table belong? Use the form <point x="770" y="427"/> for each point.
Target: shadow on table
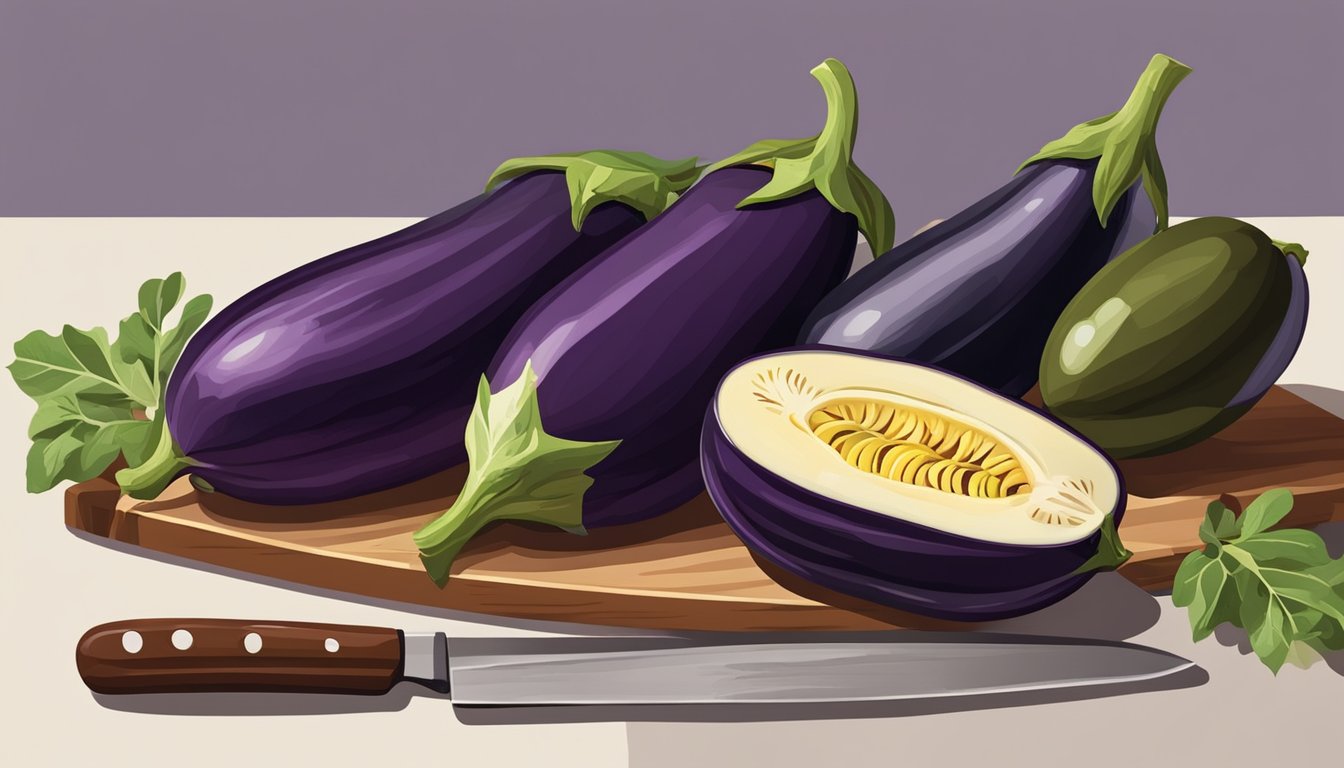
<point x="271" y="704"/>
<point x="1325" y="398"/>
<point x="1106" y="608"/>
<point x="410" y="623"/>
<point x="751" y="713"/>
<point x="245" y="704"/>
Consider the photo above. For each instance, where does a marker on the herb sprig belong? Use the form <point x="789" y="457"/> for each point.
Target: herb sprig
<point x="97" y="400"/>
<point x="1281" y="586"/>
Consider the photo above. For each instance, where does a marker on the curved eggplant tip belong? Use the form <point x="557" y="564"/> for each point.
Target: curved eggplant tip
<point x="164" y="465"/>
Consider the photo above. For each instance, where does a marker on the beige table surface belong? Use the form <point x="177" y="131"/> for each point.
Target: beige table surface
<point x="55" y="585"/>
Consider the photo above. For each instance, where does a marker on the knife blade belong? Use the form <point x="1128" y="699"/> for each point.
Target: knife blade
<point x="209" y="655"/>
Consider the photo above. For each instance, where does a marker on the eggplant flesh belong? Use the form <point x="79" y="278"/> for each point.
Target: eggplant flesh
<point x="978" y="293"/>
<point x="881" y="478"/>
<point x="631" y="346"/>
<point x="355" y="373"/>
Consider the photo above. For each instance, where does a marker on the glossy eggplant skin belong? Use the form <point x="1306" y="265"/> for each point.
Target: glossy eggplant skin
<point x="1204" y="318"/>
<point x="356" y="372"/>
<point x="880" y="558"/>
<point x="978" y="293"/>
<point x="632" y="346"/>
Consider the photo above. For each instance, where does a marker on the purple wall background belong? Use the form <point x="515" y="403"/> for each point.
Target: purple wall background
<point x="402" y="107"/>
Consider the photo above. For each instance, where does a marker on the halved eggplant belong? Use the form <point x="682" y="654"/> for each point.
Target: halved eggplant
<point x="356" y="372"/>
<point x="978" y="293"/>
<point x="907" y="485"/>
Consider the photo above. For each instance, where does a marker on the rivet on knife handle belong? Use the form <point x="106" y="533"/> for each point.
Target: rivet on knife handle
<point x="189" y="655"/>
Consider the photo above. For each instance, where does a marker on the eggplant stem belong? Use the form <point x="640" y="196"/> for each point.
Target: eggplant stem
<point x="646" y="183"/>
<point x="165" y="464"/>
<point x="1124" y="142"/>
<point x="1292" y="249"/>
<point x="824" y="162"/>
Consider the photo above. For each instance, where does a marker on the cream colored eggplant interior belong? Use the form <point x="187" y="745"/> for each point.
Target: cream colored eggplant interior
<point x="916" y="444"/>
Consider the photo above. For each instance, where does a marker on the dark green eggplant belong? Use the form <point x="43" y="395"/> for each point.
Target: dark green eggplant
<point x="1176" y="338"/>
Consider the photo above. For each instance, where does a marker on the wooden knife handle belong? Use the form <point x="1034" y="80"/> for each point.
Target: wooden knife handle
<point x="191" y="655"/>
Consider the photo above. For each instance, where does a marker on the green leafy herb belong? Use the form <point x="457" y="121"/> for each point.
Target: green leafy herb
<point x="1280" y="586"/>
<point x="97" y="400"/>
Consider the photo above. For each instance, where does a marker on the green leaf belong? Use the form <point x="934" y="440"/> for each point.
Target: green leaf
<point x="68" y="408"/>
<point x="158" y="297"/>
<point x="174" y="340"/>
<point x="1307" y="588"/>
<point x="517" y="472"/>
<point x="48" y="458"/>
<point x="1293" y="547"/>
<point x="91" y="394"/>
<point x="136" y="382"/>
<point x="1266" y="623"/>
<point x="1279" y="585"/>
<point x="135" y="341"/>
<point x="138" y="440"/>
<point x="1219" y="524"/>
<point x="90" y="351"/>
<point x="1202" y="584"/>
<point x="1124" y="142"/>
<point x="100" y="448"/>
<point x="44" y="364"/>
<point x="1266" y="511"/>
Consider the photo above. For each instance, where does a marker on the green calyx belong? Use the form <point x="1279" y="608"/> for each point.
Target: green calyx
<point x="1292" y="249"/>
<point x="824" y="162"/>
<point x="646" y="183"/>
<point x="1125" y="142"/>
<point x="165" y="463"/>
<point x="1111" y="552"/>
<point x="517" y="472"/>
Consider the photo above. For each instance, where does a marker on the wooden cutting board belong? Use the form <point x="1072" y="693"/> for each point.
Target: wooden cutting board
<point x="685" y="570"/>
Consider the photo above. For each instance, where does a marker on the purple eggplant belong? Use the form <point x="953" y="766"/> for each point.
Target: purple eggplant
<point x="841" y="508"/>
<point x="354" y="373"/>
<point x="979" y="293"/>
<point x="619" y="360"/>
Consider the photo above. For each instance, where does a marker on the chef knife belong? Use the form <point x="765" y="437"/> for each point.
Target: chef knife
<point x="190" y="655"/>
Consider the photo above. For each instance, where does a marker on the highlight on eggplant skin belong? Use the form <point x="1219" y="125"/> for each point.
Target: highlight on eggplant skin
<point x="801" y="487"/>
<point x="632" y="346"/>
<point x="355" y="373"/>
<point x="979" y="293"/>
<point x="589" y="414"/>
